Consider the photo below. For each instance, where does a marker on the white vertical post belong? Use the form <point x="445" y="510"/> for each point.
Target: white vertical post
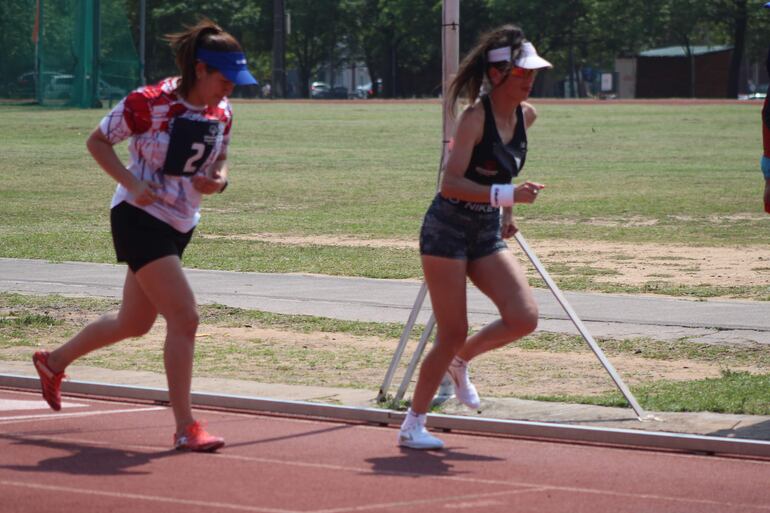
<point x="450" y="56"/>
<point x="450" y="51"/>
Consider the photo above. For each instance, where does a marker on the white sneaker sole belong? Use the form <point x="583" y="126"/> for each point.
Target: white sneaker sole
<point x="425" y="445"/>
<point x="473" y="405"/>
<point x="421" y="446"/>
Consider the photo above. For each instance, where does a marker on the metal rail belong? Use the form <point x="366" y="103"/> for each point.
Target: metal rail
<point x="473" y="425"/>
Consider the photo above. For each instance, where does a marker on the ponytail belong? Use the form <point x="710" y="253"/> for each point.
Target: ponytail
<point x="205" y="34"/>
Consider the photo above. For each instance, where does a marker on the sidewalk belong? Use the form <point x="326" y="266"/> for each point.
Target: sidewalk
<point x="722" y="322"/>
<point x="364" y="299"/>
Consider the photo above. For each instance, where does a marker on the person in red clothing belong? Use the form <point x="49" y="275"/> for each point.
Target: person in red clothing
<point x="766" y="139"/>
<point x="178" y="132"/>
<point x="765" y="162"/>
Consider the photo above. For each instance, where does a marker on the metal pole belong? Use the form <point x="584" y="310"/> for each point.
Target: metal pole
<point x="142" y="38"/>
<point x="582" y="329"/>
<point x="450" y="44"/>
<point x="402" y="343"/>
<point x="279" y="49"/>
<point x="415" y="359"/>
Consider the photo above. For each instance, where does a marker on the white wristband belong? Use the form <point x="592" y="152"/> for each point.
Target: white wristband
<point x="501" y="195"/>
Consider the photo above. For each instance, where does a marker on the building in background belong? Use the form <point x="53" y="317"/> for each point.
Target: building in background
<point x="670" y="73"/>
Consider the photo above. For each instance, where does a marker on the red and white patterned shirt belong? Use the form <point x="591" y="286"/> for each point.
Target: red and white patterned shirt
<point x="170" y="141"/>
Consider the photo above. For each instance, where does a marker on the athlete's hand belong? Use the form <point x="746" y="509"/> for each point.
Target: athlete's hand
<point x="767" y="196"/>
<point x="144" y="192"/>
<point x="508" y="227"/>
<point x="209" y="185"/>
<point x="527" y="192"/>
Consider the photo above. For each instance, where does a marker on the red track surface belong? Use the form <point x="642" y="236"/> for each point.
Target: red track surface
<point x="116" y="457"/>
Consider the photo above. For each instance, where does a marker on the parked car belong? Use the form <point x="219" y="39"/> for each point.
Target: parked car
<point x="364" y="91"/>
<point x="339" y="93"/>
<point x="109" y="91"/>
<point x="759" y="93"/>
<point x="319" y="90"/>
<point x="26" y="83"/>
<point x="60" y="87"/>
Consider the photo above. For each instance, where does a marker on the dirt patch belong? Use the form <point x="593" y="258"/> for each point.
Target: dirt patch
<point x="343" y="360"/>
<point x="636" y="264"/>
<point x="606" y="262"/>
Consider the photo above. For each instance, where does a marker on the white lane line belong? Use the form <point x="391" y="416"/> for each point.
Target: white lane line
<point x="54" y="416"/>
<point x="18" y="405"/>
<point x="433" y="500"/>
<point x="211" y="506"/>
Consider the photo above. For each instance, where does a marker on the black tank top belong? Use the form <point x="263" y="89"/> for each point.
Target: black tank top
<point x="492" y="161"/>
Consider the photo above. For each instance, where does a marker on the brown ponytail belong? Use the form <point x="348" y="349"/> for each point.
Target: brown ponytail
<point x="205" y="34"/>
<point x="473" y="69"/>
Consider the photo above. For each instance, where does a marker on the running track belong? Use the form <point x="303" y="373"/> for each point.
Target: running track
<point x="115" y="456"/>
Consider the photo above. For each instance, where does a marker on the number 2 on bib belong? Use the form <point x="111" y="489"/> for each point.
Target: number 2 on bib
<point x="192" y="164"/>
<point x="190" y="145"/>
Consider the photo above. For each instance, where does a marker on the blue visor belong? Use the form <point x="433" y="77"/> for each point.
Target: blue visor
<point x="767" y="5"/>
<point x="231" y="64"/>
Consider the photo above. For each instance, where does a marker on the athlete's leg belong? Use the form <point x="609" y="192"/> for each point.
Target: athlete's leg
<point x="164" y="283"/>
<point x="501" y="277"/>
<point x="446" y="280"/>
<point x="135" y="318"/>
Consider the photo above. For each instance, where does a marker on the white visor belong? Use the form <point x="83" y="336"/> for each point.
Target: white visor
<point x="499" y="54"/>
<point x="529" y="59"/>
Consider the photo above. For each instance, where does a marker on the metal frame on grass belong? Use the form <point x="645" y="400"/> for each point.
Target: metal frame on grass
<point x="640" y="413"/>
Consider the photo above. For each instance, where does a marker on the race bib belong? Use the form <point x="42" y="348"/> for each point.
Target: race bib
<point x="190" y="144"/>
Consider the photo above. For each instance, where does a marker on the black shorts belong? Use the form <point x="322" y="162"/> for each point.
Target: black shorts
<point x="461" y="230"/>
<point x="140" y="238"/>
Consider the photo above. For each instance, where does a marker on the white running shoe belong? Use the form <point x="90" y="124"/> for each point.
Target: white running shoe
<point x="417" y="437"/>
<point x="464" y="390"/>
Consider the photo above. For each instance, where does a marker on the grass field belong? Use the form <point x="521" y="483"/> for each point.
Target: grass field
<point x="303" y="350"/>
<point x="618" y="173"/>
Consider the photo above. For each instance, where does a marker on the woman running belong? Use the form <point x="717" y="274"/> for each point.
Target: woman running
<point x="463" y="231"/>
<point x="179" y="132"/>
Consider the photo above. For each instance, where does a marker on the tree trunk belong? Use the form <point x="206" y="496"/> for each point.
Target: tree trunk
<point x="739" y="43"/>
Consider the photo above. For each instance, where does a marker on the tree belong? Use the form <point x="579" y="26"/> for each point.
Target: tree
<point x="18" y="49"/>
<point x="557" y="27"/>
<point x="400" y="41"/>
<point x="313" y="38"/>
<point x="244" y="19"/>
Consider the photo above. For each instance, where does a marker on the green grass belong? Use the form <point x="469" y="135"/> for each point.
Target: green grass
<point x="369" y="170"/>
<point x="681" y="349"/>
<point x="733" y="392"/>
<point x="355" y="354"/>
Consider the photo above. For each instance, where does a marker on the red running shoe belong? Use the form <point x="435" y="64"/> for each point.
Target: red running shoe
<point x="50" y="381"/>
<point x="196" y="439"/>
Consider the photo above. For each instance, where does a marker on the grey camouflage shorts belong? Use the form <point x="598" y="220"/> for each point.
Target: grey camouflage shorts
<point x="460" y="229"/>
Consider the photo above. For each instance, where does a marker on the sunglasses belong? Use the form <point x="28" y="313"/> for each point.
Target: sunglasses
<point x="522" y="72"/>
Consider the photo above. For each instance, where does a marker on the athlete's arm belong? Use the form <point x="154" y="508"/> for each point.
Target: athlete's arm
<point x="102" y="151"/>
<point x="507" y="226"/>
<point x="766" y="112"/>
<point x="767" y="195"/>
<point x="215" y="180"/>
<point x="530" y="114"/>
<point x="470" y="129"/>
